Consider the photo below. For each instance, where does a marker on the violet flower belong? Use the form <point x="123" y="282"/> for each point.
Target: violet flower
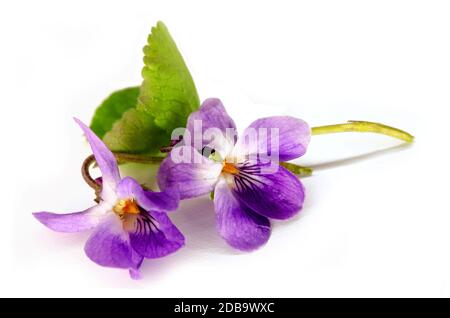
<point x="244" y="196"/>
<point x="129" y="224"/>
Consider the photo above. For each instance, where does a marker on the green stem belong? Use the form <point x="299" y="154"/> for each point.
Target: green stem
<point x="296" y="169"/>
<point x="127" y="157"/>
<point x="350" y="126"/>
<point x="364" y="126"/>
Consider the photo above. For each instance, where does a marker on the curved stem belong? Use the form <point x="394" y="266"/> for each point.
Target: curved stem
<point x="87" y="176"/>
<point x="88" y="179"/>
<point x="121" y="157"/>
<point x="364" y="126"/>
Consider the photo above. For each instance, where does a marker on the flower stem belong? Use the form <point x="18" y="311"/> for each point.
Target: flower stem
<point x="127" y="157"/>
<point x="364" y="126"/>
<point x="121" y="157"/>
<point x="350" y="126"/>
<point x="296" y="169"/>
<point x="88" y="179"/>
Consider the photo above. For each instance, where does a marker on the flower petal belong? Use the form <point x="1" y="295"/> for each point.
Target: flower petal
<point x="155" y="201"/>
<point x="167" y="200"/>
<point x="293" y="137"/>
<point x="213" y="119"/>
<point x="134" y="273"/>
<point x="193" y="177"/>
<point x="153" y="235"/>
<point x="136" y="260"/>
<point x="239" y="225"/>
<point x="277" y="195"/>
<point x="109" y="245"/>
<point x="73" y="222"/>
<point x="105" y="160"/>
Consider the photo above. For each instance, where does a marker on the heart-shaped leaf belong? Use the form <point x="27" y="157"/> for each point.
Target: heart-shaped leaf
<point x="166" y="98"/>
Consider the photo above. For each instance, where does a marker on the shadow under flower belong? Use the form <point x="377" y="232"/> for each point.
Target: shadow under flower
<point x="197" y="218"/>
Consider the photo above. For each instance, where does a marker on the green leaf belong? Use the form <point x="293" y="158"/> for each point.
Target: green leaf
<point x="112" y="109"/>
<point x="168" y="91"/>
<point x="136" y="132"/>
<point x="166" y="98"/>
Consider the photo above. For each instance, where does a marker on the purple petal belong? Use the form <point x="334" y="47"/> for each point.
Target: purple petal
<point x="136" y="260"/>
<point x="72" y="222"/>
<point x="195" y="177"/>
<point x="134" y="273"/>
<point x="293" y="137"/>
<point x="105" y="160"/>
<point x="127" y="188"/>
<point x="154" y="201"/>
<point x="214" y="118"/>
<point x="109" y="245"/>
<point x="166" y="200"/>
<point x="153" y="235"/>
<point x="277" y="195"/>
<point x="239" y="225"/>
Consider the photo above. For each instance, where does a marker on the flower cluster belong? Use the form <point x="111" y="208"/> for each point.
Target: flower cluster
<point x="244" y="175"/>
<point x="130" y="223"/>
<point x="248" y="175"/>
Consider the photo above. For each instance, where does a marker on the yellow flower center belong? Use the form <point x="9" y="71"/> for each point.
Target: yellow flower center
<point x="230" y="168"/>
<point x="126" y="206"/>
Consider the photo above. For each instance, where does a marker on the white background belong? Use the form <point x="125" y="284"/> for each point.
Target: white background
<point x="372" y="225"/>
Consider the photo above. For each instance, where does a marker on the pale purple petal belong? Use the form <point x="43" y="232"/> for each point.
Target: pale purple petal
<point x="105" y="160"/>
<point x="156" y="201"/>
<point x="211" y="126"/>
<point x="167" y="200"/>
<point x="153" y="235"/>
<point x="109" y="245"/>
<point x="127" y="188"/>
<point x="277" y="195"/>
<point x="136" y="260"/>
<point x="239" y="225"/>
<point x="192" y="177"/>
<point x="283" y="136"/>
<point x="134" y="273"/>
<point x="73" y="222"/>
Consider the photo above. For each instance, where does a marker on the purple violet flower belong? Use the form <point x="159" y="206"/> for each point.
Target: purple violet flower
<point x="245" y="197"/>
<point x="129" y="223"/>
